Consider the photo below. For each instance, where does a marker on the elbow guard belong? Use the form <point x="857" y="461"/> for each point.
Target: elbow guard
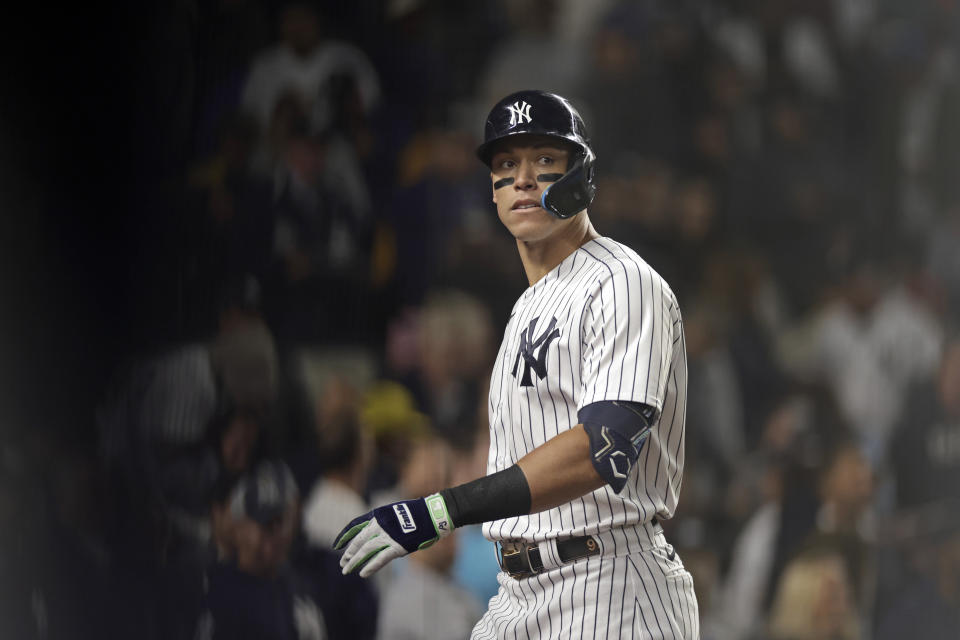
<point x="616" y="439"/>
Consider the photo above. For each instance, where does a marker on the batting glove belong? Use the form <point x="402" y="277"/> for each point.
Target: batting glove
<point x="392" y="531"/>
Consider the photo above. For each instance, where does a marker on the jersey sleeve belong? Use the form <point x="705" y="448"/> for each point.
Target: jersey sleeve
<point x="627" y="330"/>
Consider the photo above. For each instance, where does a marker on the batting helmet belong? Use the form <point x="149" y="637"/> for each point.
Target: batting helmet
<point x="546" y="114"/>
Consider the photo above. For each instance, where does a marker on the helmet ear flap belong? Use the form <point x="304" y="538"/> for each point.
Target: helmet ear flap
<point x="572" y="193"/>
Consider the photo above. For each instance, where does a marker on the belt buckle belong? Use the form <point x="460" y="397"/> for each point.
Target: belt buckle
<point x="517" y="549"/>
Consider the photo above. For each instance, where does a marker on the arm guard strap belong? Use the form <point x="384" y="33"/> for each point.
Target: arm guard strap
<point x="617" y="431"/>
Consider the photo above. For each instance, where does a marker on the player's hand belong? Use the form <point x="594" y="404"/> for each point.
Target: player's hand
<point x="391" y="531"/>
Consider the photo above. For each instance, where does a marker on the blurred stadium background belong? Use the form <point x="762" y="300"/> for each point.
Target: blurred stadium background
<point x="248" y="230"/>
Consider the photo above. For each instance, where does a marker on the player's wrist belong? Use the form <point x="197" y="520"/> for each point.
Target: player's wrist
<point x="439" y="515"/>
<point x="504" y="494"/>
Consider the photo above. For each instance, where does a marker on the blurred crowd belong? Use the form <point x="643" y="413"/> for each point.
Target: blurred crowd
<point x="789" y="166"/>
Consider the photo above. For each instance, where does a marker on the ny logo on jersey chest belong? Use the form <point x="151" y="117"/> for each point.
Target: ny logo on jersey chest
<point x="528" y="351"/>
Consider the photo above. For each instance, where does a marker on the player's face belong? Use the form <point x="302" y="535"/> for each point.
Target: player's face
<point x="518" y="204"/>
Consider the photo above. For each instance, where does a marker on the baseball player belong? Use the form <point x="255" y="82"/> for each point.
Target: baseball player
<point x="586" y="408"/>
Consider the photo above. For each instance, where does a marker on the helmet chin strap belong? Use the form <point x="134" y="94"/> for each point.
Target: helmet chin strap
<point x="572" y="192"/>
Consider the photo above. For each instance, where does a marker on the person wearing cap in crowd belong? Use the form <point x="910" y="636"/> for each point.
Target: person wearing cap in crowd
<point x="253" y="592"/>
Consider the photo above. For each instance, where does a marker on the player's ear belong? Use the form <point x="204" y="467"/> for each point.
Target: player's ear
<point x="493" y="179"/>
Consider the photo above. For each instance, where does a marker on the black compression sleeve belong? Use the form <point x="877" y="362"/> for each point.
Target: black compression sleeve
<point x="504" y="494"/>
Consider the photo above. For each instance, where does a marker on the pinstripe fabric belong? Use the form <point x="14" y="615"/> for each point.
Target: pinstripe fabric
<point x="644" y="594"/>
<point x="619" y="337"/>
<point x="169" y="399"/>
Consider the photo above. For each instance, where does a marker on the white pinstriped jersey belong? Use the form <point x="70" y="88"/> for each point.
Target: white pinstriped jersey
<point x="602" y="325"/>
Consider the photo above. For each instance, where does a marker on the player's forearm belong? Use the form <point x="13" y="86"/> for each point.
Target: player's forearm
<point x="602" y="450"/>
<point x="554" y="473"/>
<point x="560" y="470"/>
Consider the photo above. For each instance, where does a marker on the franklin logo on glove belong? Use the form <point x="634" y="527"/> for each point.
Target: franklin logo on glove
<point x="403" y="515"/>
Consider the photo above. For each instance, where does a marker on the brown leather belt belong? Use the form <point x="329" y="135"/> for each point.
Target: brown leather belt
<point x="522" y="559"/>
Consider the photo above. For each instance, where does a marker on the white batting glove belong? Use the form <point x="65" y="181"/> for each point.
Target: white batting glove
<point x="392" y="531"/>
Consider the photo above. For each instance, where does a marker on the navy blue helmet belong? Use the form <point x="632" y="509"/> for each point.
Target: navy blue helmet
<point x="547" y="114"/>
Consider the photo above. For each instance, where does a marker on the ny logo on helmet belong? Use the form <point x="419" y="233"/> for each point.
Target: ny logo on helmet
<point x="519" y="111"/>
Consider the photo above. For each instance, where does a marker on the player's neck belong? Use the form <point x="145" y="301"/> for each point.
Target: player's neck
<point x="540" y="258"/>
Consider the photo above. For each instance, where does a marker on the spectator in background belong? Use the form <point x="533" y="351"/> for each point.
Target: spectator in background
<point x="423" y="460"/>
<point x="348" y="429"/>
<point x="170" y="400"/>
<point x="715" y="407"/>
<point x="189" y="478"/>
<point x="252" y="591"/>
<point x="322" y="206"/>
<point x="438" y="191"/>
<point x="637" y="52"/>
<point x="807" y="485"/>
<point x="321" y="235"/>
<point x="923" y="62"/>
<point x="425" y="465"/>
<point x="925" y="452"/>
<point x="782" y="39"/>
<point x="173" y="428"/>
<point x="745" y="310"/>
<point x="754" y="500"/>
<point x="737" y="393"/>
<point x="846" y="521"/>
<point x="518" y="60"/>
<point x="346" y="454"/>
<point x="426" y="599"/>
<point x="424" y="602"/>
<point x="845" y="486"/>
<point x="794" y="196"/>
<point x="155" y="406"/>
<point x="741" y="595"/>
<point x="943" y="260"/>
<point x="395" y="423"/>
<point x="312" y="99"/>
<point x="814" y="601"/>
<point x="419" y="35"/>
<point x="440" y="352"/>
<point x="455" y="340"/>
<point x="869" y="344"/>
<point x="827" y="500"/>
<point x="694" y="225"/>
<point x="636" y="207"/>
<point x="925" y="596"/>
<point x="301" y="65"/>
<point x="233" y="221"/>
<point x="245" y="358"/>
